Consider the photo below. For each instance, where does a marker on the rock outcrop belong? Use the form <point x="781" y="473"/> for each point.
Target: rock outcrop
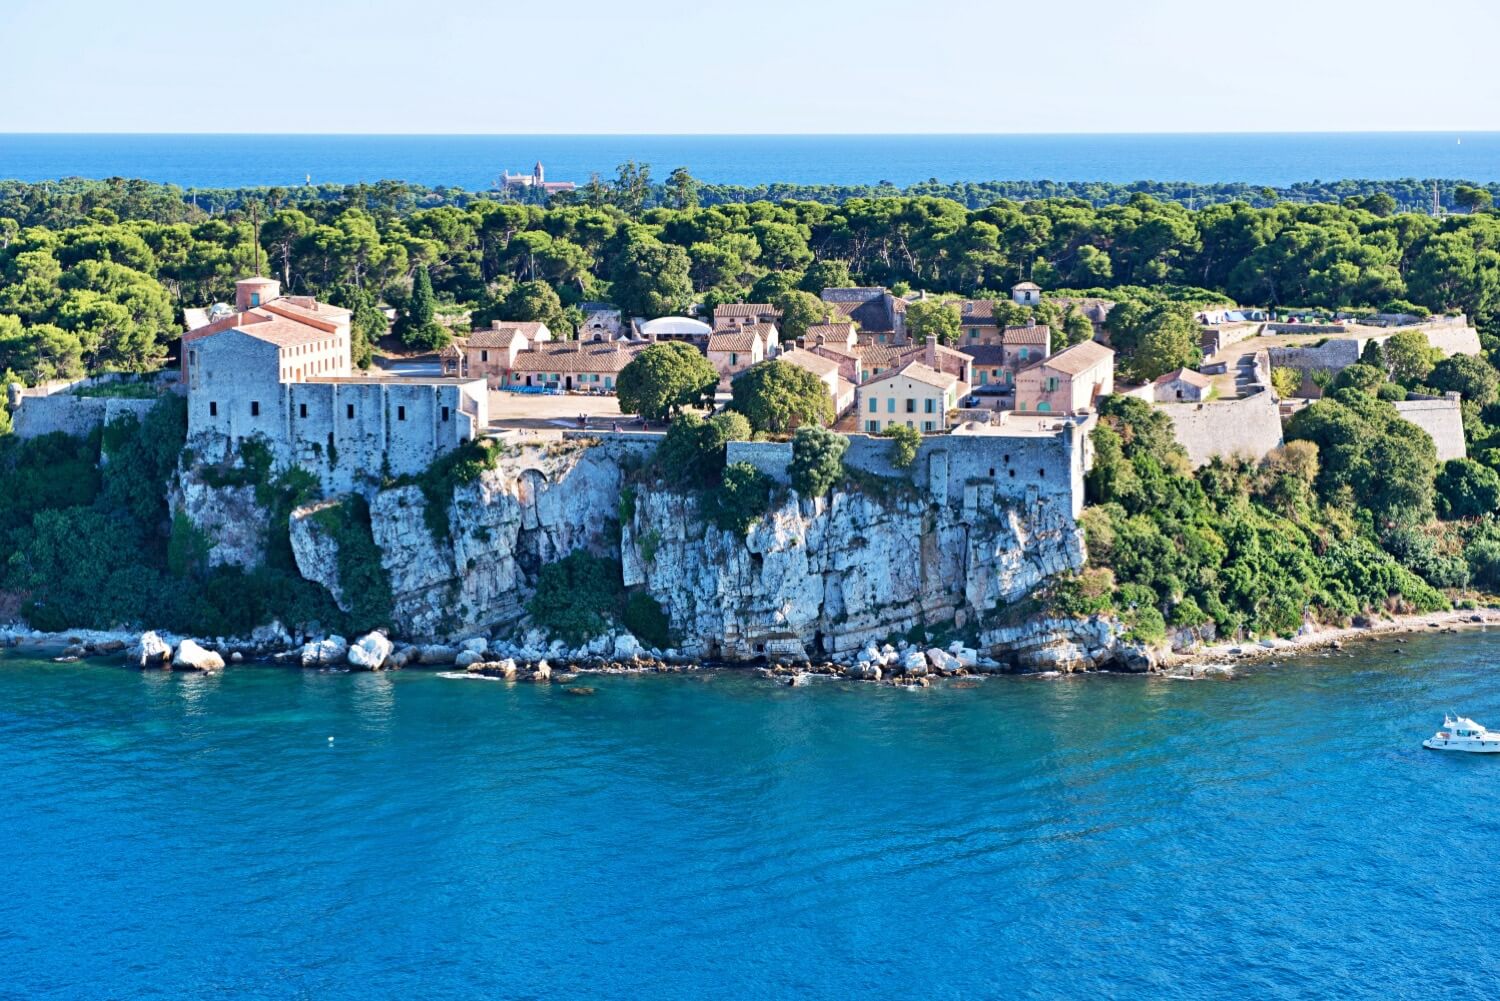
<point x="150" y="650"/>
<point x="228" y="516"/>
<point x="192" y="657"/>
<point x="831" y="574"/>
<point x="813" y="577"/>
<point x="370" y="652"/>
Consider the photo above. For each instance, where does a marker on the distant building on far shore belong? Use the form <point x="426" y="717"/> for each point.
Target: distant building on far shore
<point x="536" y="181"/>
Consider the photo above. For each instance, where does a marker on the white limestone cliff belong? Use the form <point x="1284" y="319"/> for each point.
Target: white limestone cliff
<point x="813" y="578"/>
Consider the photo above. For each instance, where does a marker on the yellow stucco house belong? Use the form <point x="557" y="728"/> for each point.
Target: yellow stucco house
<point x="915" y="395"/>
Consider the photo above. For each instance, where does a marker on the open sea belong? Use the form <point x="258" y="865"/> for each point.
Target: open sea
<point x="474" y="162"/>
<point x="1283" y="835"/>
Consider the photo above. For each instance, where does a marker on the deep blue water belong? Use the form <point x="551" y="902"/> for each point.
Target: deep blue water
<point x="1283" y="835"/>
<point x="473" y="162"/>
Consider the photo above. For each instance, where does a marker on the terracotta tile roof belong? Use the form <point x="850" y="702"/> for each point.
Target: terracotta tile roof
<point x="565" y="357"/>
<point x="502" y="338"/>
<point x="282" y="332"/>
<point x="309" y="310"/>
<point x="316" y="318"/>
<point x="1037" y="333"/>
<point x="816" y="364"/>
<point x="980" y="311"/>
<point x="840" y="350"/>
<point x="725" y="309"/>
<point x="831" y="332"/>
<point x="1077" y="359"/>
<point x="918" y="372"/>
<point x="736" y="340"/>
<point x="986" y="354"/>
<point x="1186" y="375"/>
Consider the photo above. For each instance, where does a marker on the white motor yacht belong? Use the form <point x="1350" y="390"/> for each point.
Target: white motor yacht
<point x="1462" y="734"/>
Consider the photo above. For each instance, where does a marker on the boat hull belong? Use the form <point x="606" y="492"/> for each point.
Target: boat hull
<point x="1466" y="746"/>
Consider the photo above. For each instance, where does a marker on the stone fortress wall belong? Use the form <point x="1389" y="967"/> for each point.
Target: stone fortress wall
<point x="1024" y="468"/>
<point x="56" y="407"/>
<point x="1248" y="427"/>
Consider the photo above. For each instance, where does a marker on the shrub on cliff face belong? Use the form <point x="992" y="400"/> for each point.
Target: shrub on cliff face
<point x="692" y="452"/>
<point x="577" y="597"/>
<point x="905" y="442"/>
<point x="644" y="617"/>
<point x="363" y="580"/>
<point x="741" y="498"/>
<point x="817" y="460"/>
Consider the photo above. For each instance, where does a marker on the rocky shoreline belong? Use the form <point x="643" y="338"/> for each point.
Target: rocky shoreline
<point x="532" y="658"/>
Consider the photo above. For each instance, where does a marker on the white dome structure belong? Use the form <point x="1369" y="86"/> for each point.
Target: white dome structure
<point x="675" y="326"/>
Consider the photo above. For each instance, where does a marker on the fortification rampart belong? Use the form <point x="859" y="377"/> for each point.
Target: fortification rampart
<point x="1249" y="427"/>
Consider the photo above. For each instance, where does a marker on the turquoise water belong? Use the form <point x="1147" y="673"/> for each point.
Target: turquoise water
<point x="1282" y="835"/>
<point x="473" y="162"/>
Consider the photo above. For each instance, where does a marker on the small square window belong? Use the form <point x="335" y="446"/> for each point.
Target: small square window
<point x="254" y="408"/>
<point x="213" y="408"/>
<point x="400" y="413"/>
<point x="349" y="411"/>
<point x="445" y="415"/>
<point x="301" y="410"/>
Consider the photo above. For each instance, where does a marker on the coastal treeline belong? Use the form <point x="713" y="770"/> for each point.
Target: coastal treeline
<point x="93" y="275"/>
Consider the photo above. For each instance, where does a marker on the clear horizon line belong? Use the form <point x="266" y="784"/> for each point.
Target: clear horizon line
<point x="775" y="135"/>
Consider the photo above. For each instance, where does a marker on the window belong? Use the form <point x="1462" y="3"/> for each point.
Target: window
<point x="872" y="426"/>
<point x="910" y="424"/>
<point x="911" y="406"/>
<point x="445" y="415"/>
<point x="1052" y="384"/>
<point x="927" y="425"/>
<point x="930" y="406"/>
<point x="734" y="359"/>
<point x="1012" y="473"/>
<point x="992" y="472"/>
<point x="1041" y="473"/>
<point x="973" y="333"/>
<point x="890" y="405"/>
<point x="301" y="410"/>
<point x="874" y="405"/>
<point x="484" y="356"/>
<point x="254" y="408"/>
<point x="255" y="298"/>
<point x="213" y="408"/>
<point x="349" y="411"/>
<point x="609" y="382"/>
<point x="984" y="377"/>
<point x="400" y="413"/>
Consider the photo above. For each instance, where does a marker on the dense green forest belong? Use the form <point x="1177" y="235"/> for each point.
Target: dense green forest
<point x="93" y="275"/>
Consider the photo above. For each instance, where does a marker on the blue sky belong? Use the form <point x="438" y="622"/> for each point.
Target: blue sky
<point x="678" y="66"/>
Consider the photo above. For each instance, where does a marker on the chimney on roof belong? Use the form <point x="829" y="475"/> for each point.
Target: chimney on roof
<point x="929" y="356"/>
<point x="819" y="340"/>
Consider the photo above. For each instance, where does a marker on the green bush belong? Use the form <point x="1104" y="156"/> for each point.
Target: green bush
<point x="741" y="498"/>
<point x="363" y="580"/>
<point x="644" y="617"/>
<point x="905" y="442"/>
<point x="817" y="460"/>
<point x="577" y="597"/>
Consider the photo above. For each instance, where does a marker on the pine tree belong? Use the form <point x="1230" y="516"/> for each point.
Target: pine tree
<point x="422" y="309"/>
<point x="421" y="329"/>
